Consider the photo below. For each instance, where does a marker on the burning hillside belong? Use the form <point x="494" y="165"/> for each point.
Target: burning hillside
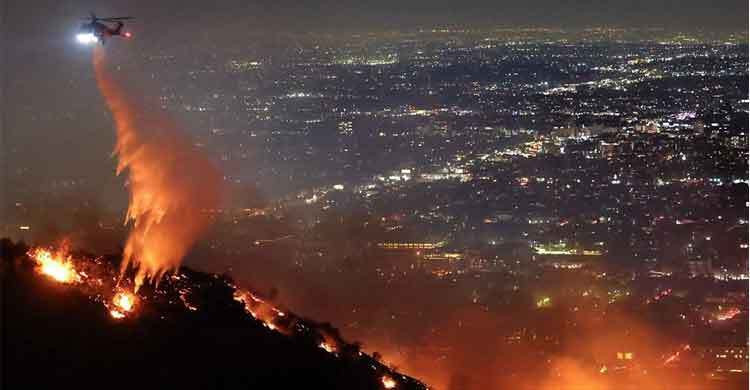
<point x="75" y="320"/>
<point x="68" y="317"/>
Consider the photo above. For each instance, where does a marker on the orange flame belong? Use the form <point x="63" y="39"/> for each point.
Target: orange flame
<point x="675" y="356"/>
<point x="260" y="310"/>
<point x="388" y="382"/>
<point x="327" y="347"/>
<point x="123" y="303"/>
<point x="58" y="265"/>
<point x="728" y="314"/>
<point x="171" y="185"/>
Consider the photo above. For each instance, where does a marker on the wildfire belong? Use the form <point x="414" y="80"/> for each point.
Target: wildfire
<point x="58" y="266"/>
<point x="728" y="314"/>
<point x="123" y="303"/>
<point x="674" y="357"/>
<point x="388" y="382"/>
<point x="92" y="277"/>
<point x="262" y="310"/>
<point x="327" y="347"/>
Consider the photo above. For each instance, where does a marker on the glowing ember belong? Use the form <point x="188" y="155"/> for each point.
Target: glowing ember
<point x="123" y="303"/>
<point x="259" y="309"/>
<point x="327" y="347"/>
<point x="58" y="266"/>
<point x="388" y="382"/>
<point x="674" y="357"/>
<point x="728" y="314"/>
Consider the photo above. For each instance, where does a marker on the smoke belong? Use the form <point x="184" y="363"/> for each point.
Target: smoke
<point x="172" y="186"/>
<point x="427" y="329"/>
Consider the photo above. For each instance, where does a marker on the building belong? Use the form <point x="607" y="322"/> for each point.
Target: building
<point x="410" y="245"/>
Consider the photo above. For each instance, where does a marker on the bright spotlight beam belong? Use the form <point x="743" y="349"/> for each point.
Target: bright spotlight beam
<point x="87" y="38"/>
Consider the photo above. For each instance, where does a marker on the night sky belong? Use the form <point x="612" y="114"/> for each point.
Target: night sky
<point x="37" y="19"/>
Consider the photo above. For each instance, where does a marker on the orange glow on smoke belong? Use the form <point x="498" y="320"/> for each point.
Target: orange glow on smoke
<point x="171" y="185"/>
<point x="58" y="265"/>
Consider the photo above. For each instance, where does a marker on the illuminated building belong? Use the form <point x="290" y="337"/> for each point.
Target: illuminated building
<point x="624" y="355"/>
<point x="443" y="256"/>
<point x="648" y="127"/>
<point x="725" y="360"/>
<point x="442" y="264"/>
<point x="562" y="249"/>
<point x="410" y="245"/>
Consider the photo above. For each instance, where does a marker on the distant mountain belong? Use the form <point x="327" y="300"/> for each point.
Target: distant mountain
<point x="195" y="331"/>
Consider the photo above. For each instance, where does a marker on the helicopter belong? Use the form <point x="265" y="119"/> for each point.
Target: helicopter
<point x="99" y="29"/>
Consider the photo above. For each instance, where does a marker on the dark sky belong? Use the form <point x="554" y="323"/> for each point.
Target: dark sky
<point x="38" y="17"/>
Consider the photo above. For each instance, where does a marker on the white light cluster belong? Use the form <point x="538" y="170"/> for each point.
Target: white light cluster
<point x="87" y="38"/>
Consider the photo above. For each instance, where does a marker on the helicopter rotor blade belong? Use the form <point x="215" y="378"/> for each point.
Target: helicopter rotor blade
<point x="117" y="18"/>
